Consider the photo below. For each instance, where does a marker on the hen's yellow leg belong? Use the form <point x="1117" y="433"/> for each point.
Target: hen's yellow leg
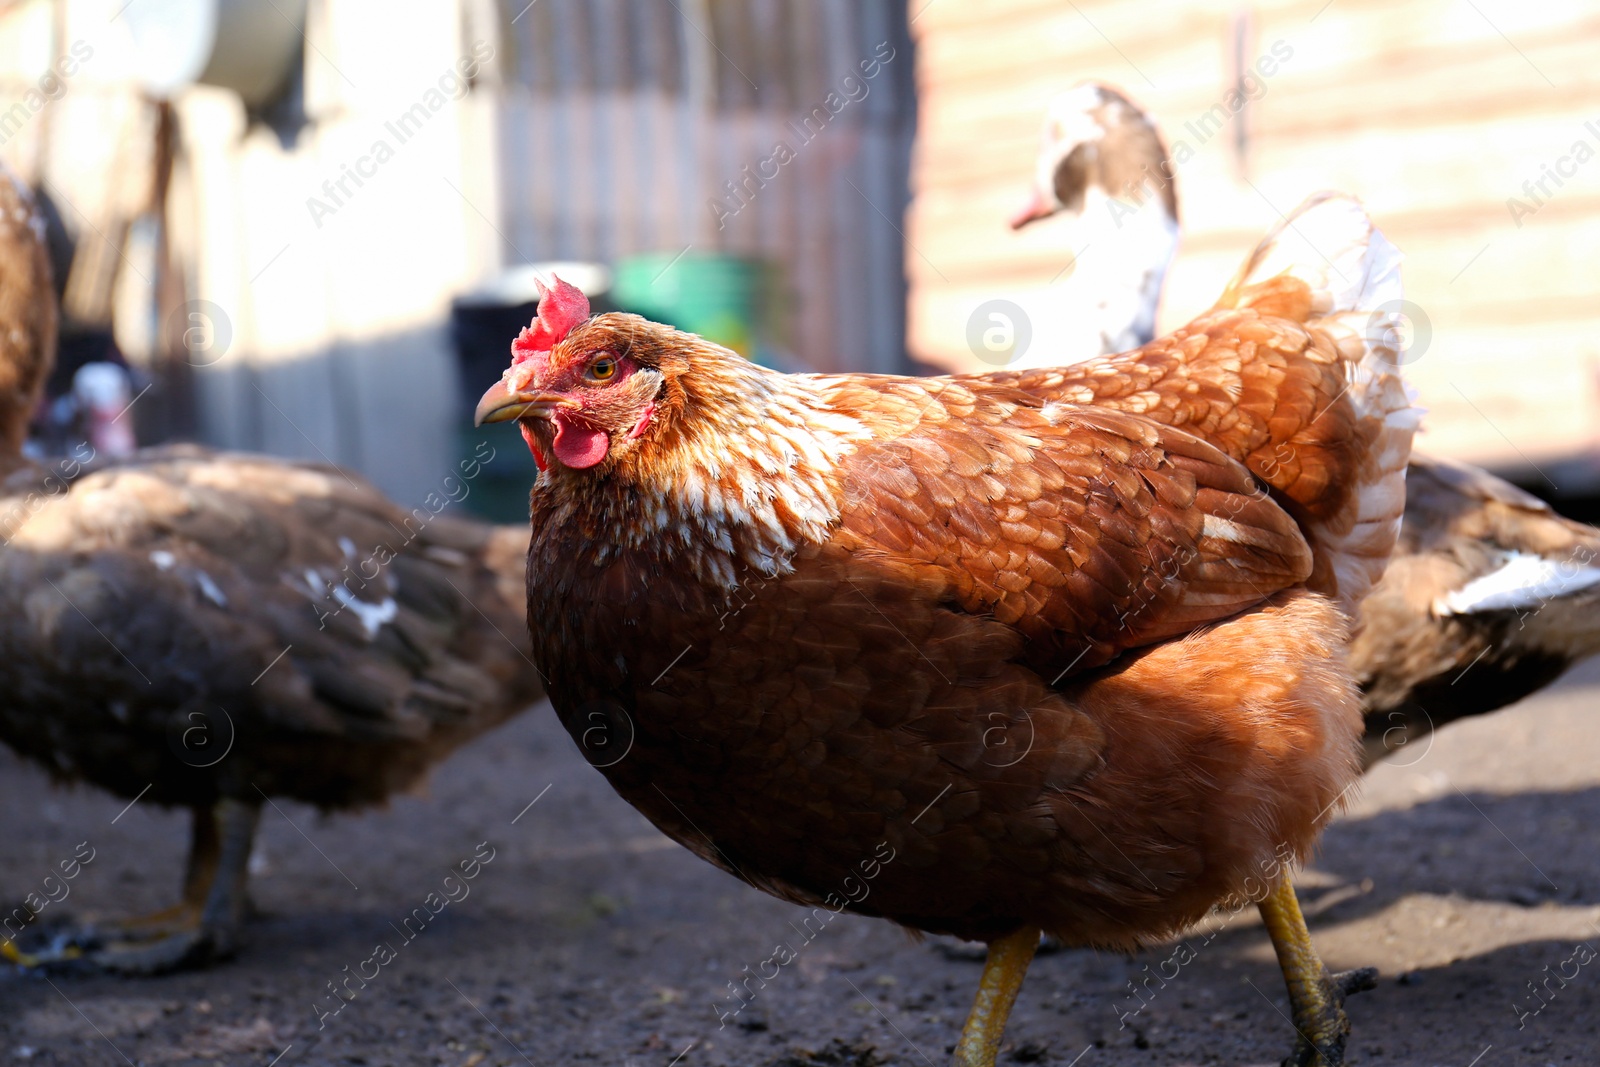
<point x="1316" y="997"/>
<point x="1003" y="972"/>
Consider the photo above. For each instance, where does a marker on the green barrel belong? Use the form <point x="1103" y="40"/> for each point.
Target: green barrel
<point x="721" y="298"/>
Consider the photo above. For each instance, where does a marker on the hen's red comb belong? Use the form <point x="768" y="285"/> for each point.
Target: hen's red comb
<point x="560" y="309"/>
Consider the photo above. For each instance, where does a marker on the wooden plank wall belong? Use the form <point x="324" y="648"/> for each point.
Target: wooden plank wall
<point x="1435" y="112"/>
<point x="623" y="119"/>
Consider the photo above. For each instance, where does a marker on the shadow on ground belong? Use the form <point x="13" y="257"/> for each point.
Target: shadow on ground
<point x="591" y="939"/>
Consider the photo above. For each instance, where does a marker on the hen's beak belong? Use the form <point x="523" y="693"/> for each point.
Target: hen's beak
<point x="500" y="404"/>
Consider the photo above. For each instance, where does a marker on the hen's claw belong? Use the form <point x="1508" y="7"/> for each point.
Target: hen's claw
<point x="11" y="953"/>
<point x="1316" y="997"/>
<point x="1322" y="1024"/>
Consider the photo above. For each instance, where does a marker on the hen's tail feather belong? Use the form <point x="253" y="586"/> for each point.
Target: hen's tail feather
<point x="1330" y="246"/>
<point x="1327" y="266"/>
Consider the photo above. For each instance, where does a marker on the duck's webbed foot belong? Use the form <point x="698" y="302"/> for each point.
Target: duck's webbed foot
<point x="203" y="929"/>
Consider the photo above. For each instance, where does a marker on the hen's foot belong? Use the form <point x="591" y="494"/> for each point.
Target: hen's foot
<point x="11" y="953"/>
<point x="131" y="947"/>
<point x="1322" y="1023"/>
<point x="77" y="946"/>
<point x="1316" y="997"/>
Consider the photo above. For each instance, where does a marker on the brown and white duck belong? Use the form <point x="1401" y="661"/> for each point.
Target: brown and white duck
<point x="1101" y="161"/>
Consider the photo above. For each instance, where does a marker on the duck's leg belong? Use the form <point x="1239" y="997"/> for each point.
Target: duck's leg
<point x="1003" y="972"/>
<point x="205" y="849"/>
<point x="205" y="927"/>
<point x="1316" y="998"/>
<point x="199" y="872"/>
<point x="228" y="899"/>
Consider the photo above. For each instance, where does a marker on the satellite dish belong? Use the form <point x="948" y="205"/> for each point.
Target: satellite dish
<point x="249" y="46"/>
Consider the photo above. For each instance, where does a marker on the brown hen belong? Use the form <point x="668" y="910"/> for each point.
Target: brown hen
<point x="211" y="630"/>
<point x="1031" y="660"/>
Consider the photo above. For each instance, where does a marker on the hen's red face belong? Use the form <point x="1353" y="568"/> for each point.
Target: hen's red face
<point x="575" y="386"/>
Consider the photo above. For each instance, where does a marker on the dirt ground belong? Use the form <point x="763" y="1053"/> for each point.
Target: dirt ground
<point x="1465" y="875"/>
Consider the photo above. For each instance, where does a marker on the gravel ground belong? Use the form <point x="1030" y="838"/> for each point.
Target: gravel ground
<point x="588" y="937"/>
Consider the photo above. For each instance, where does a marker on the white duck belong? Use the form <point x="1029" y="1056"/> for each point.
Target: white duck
<point x="1101" y="160"/>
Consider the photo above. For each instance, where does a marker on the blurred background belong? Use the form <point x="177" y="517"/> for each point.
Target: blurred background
<point x="310" y="227"/>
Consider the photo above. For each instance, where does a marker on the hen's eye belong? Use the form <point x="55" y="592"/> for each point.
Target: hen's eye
<point x="603" y="369"/>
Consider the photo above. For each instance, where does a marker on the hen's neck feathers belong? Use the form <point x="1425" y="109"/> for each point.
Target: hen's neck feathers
<point x="744" y="474"/>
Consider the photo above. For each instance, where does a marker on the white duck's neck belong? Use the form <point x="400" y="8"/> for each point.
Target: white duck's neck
<point x="1126" y="250"/>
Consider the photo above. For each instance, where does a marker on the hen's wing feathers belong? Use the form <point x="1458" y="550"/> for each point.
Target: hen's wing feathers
<point x="1257" y="388"/>
<point x="1448" y="486"/>
<point x="1292" y="375"/>
<point x="288" y="589"/>
<point x="1091" y="531"/>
